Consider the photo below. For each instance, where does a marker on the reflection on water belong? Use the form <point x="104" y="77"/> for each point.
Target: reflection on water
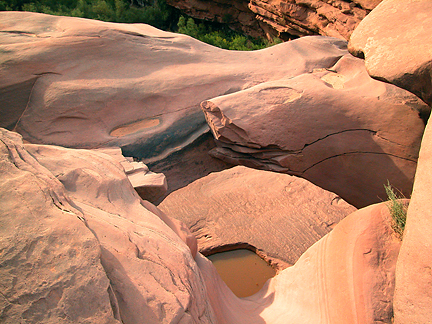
<point x="243" y="271"/>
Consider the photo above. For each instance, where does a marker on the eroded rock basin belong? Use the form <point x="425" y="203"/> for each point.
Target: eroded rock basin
<point x="244" y="272"/>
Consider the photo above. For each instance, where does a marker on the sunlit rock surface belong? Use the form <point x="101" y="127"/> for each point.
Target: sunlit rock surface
<point x="413" y="296"/>
<point x="78" y="244"/>
<point x="346" y="277"/>
<point x="336" y="127"/>
<point x="89" y="84"/>
<point x="395" y="42"/>
<point x="278" y="214"/>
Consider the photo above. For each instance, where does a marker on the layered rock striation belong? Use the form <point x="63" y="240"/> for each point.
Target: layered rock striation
<point x="282" y="18"/>
<point x="336" y="127"/>
<point x="78" y="246"/>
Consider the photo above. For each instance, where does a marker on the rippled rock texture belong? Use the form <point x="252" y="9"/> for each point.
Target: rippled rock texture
<point x="78" y="246"/>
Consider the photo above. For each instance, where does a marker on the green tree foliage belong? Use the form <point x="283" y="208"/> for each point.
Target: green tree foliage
<point x="153" y="12"/>
<point x="223" y="37"/>
<point x="156" y="12"/>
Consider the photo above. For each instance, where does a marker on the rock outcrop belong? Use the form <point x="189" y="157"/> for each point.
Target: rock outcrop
<point x="413" y="296"/>
<point x="396" y="46"/>
<point x="282" y="18"/>
<point x="150" y="186"/>
<point x="78" y="245"/>
<point x="279" y="215"/>
<point x="336" y="127"/>
<point x="90" y="84"/>
<point x="346" y="277"/>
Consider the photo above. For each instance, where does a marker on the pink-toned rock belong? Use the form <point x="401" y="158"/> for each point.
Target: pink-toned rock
<point x="149" y="185"/>
<point x="413" y="296"/>
<point x="337" y="127"/>
<point x="199" y="164"/>
<point x="395" y="41"/>
<point x="50" y="269"/>
<point x="346" y="277"/>
<point x="91" y="84"/>
<point x="78" y="245"/>
<point x="279" y="215"/>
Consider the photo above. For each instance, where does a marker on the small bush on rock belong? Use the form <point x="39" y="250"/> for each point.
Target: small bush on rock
<point x="398" y="210"/>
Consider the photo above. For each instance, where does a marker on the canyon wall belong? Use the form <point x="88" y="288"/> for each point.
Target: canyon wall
<point x="285" y="19"/>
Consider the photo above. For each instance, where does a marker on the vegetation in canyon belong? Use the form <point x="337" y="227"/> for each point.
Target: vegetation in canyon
<point x="398" y="209"/>
<point x="155" y="12"/>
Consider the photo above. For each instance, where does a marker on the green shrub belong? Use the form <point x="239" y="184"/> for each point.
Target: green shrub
<point x="398" y="210"/>
<point x="223" y="37"/>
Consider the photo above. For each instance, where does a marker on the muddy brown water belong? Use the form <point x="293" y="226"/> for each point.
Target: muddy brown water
<point x="243" y="271"/>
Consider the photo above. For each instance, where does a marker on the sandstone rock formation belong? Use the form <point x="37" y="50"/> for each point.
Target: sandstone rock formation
<point x="395" y="42"/>
<point x="413" y="296"/>
<point x="199" y="163"/>
<point x="346" y="277"/>
<point x="150" y="186"/>
<point x="78" y="244"/>
<point x="279" y="215"/>
<point x="336" y="127"/>
<point x="282" y="18"/>
<point x="89" y="84"/>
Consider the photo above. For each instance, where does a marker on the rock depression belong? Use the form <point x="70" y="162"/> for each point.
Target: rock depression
<point x="89" y="84"/>
<point x="278" y="215"/>
<point x="78" y="245"/>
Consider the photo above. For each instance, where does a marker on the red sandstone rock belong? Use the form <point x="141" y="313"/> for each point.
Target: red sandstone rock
<point x="278" y="214"/>
<point x="337" y="128"/>
<point x="413" y="295"/>
<point x="91" y="84"/>
<point x="395" y="42"/>
<point x="149" y="185"/>
<point x="346" y="277"/>
<point x="78" y="244"/>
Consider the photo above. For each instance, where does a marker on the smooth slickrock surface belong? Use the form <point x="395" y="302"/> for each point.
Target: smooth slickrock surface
<point x="88" y="84"/>
<point x="395" y="42"/>
<point x="413" y="296"/>
<point x="278" y="214"/>
<point x="337" y="127"/>
<point x="79" y="246"/>
<point x="346" y="277"/>
<point x="284" y="18"/>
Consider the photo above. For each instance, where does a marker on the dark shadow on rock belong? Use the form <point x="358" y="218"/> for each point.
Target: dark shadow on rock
<point x="189" y="164"/>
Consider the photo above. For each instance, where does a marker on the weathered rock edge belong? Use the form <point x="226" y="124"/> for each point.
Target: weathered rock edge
<point x="79" y="245"/>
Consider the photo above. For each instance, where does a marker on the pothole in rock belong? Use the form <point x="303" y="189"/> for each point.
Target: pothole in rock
<point x="243" y="271"/>
<point x="134" y="127"/>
